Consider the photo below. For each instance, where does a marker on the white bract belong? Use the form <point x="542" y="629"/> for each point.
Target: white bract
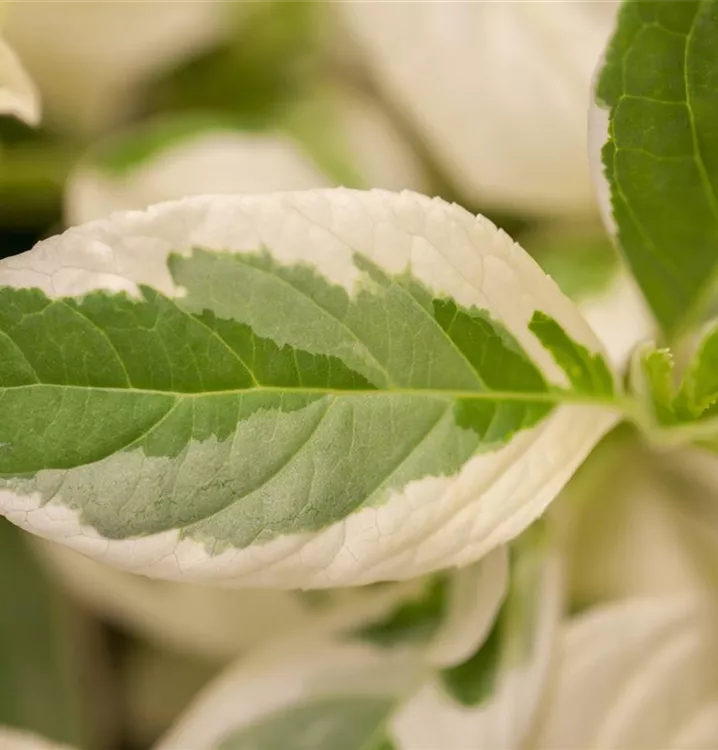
<point x="396" y="411"/>
<point x="497" y="90"/>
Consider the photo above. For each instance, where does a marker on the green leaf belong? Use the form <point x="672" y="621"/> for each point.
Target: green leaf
<point x="39" y="686"/>
<point x="291" y="390"/>
<point x="473" y="681"/>
<point x="416" y="620"/>
<point x="699" y="388"/>
<point x="660" y="84"/>
<point x="512" y="641"/>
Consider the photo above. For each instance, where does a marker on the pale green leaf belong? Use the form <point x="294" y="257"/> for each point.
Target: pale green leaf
<point x="492" y="699"/>
<point x="301" y="696"/>
<point x="660" y="85"/>
<point x="451" y="616"/>
<point x="298" y="390"/>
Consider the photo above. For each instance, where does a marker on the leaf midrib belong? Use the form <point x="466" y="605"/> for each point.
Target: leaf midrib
<point x="554" y="396"/>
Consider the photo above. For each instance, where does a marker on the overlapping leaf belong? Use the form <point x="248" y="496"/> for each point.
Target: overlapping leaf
<point x="660" y="84"/>
<point x="395" y="695"/>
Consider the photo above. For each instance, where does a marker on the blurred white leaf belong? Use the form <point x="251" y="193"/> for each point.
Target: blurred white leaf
<point x="644" y="525"/>
<point x="637" y="674"/>
<point x="18" y="95"/>
<point x="209" y="622"/>
<point x="499" y="91"/>
<point x="306" y="693"/>
<point x="87" y="58"/>
<point x="172" y="158"/>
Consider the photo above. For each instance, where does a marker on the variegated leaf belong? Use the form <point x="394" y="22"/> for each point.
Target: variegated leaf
<point x="393" y="695"/>
<point x="298" y="390"/>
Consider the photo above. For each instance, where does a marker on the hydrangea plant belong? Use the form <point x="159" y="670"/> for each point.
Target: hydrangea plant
<point x="361" y="409"/>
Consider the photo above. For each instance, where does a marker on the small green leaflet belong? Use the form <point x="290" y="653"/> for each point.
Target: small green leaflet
<point x="218" y="386"/>
<point x="660" y="84"/>
<point x="689" y="408"/>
